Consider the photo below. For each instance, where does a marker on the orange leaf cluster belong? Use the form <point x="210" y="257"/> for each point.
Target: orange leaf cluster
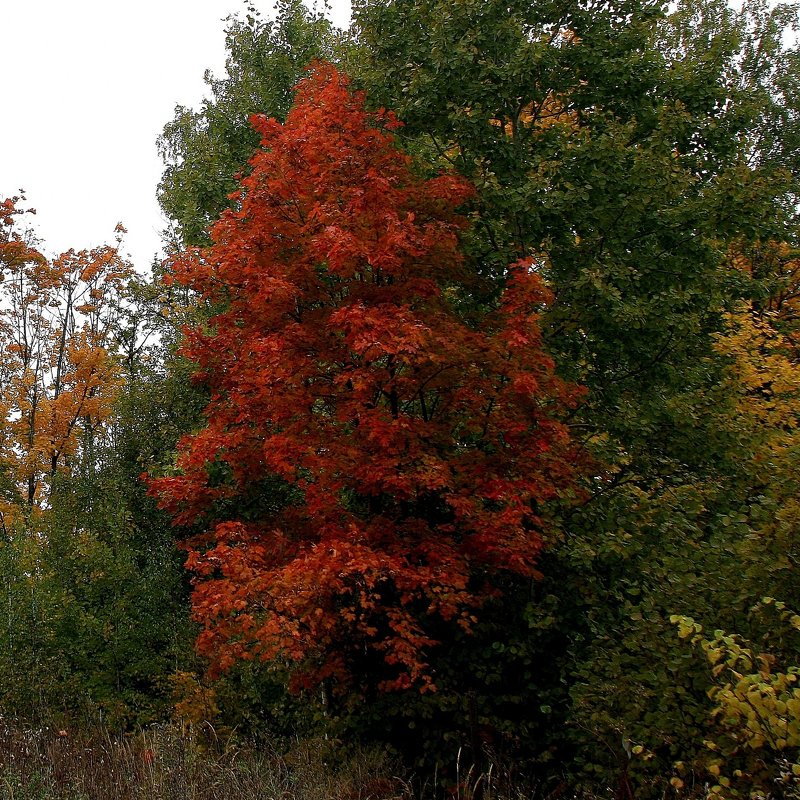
<point x="417" y="450"/>
<point x="59" y="378"/>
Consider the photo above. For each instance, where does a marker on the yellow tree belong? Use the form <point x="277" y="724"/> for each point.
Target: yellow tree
<point x="752" y="739"/>
<point x="58" y="374"/>
<point x="762" y="347"/>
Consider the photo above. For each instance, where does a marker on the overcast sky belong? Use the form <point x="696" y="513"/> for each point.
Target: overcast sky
<point x="87" y="87"/>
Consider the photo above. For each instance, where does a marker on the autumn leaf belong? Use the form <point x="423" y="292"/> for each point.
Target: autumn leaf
<point x="412" y="451"/>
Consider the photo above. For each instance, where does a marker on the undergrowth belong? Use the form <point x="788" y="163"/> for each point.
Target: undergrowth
<point x="163" y="763"/>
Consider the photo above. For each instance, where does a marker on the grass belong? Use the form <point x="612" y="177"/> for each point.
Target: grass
<point x="162" y="764"/>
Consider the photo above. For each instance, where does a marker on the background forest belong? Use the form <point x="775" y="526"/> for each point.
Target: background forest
<point x="470" y="390"/>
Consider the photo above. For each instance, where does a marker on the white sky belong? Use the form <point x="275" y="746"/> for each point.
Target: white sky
<point x="88" y="86"/>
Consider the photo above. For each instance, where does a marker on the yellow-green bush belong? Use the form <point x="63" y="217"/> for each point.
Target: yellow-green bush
<point x="753" y="747"/>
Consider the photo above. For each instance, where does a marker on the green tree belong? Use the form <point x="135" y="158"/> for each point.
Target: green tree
<point x="628" y="149"/>
<point x="204" y="150"/>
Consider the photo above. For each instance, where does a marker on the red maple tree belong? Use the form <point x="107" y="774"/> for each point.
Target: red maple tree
<point x="408" y="453"/>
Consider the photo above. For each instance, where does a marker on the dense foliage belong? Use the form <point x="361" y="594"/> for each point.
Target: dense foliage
<point x="477" y="417"/>
<point x="415" y="451"/>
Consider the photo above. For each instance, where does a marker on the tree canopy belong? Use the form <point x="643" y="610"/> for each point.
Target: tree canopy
<point x="417" y="453"/>
<point x="469" y="388"/>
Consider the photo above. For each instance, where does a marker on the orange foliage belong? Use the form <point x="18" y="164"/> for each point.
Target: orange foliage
<point x="417" y="453"/>
<point x="775" y="266"/>
<point x="59" y="378"/>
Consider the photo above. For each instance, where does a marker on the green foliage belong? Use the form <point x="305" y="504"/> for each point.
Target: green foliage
<point x="591" y="152"/>
<point x="625" y="149"/>
<point x="95" y="610"/>
<point x="205" y="150"/>
<point x="94" y="593"/>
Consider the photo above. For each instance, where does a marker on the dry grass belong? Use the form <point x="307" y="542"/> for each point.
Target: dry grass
<point x="162" y="764"/>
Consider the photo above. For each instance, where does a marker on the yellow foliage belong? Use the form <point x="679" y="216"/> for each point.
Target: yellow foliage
<point x="195" y="705"/>
<point x="756" y="714"/>
<point x="760" y="410"/>
<point x="59" y="378"/>
<point x="551" y="111"/>
<point x="762" y="370"/>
